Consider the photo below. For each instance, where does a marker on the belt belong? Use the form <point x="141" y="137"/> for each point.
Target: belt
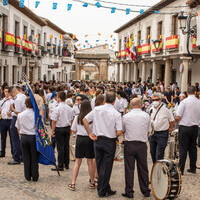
<point x="106" y="138"/>
<point x="160" y="131"/>
<point x="6" y="119"/>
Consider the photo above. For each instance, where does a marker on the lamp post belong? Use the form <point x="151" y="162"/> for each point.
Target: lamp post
<point x="185" y="26"/>
<point x="157" y="44"/>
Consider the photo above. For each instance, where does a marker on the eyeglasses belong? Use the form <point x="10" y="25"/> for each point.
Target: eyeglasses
<point x="78" y="99"/>
<point x="155" y="99"/>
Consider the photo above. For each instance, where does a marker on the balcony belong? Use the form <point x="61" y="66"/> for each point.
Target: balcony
<point x="67" y="56"/>
<point x="8" y="42"/>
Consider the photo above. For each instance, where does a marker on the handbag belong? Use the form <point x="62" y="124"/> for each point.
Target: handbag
<point x="152" y="127"/>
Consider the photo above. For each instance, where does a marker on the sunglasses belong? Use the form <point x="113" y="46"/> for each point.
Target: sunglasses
<point x="155" y="99"/>
<point x="78" y="99"/>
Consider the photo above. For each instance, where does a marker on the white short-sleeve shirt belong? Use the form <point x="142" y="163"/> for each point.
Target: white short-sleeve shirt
<point x="106" y="120"/>
<point x="26" y="122"/>
<point x="63" y="115"/>
<point x="137" y="125"/>
<point x="19" y="103"/>
<point x="189" y="111"/>
<point x="120" y="104"/>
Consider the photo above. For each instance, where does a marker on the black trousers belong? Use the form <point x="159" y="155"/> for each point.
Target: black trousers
<point x="188" y="143"/>
<point x="136" y="151"/>
<point x="30" y="157"/>
<point x="5" y="129"/>
<point x="158" y="143"/>
<point x="62" y="142"/>
<point x="17" y="153"/>
<point x="104" y="154"/>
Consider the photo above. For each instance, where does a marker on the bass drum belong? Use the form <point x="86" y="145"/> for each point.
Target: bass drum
<point x="166" y="180"/>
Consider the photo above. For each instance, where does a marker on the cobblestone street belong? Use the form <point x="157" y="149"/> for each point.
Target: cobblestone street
<point x="52" y="187"/>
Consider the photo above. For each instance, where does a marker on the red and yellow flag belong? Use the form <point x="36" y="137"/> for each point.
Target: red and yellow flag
<point x="61" y="37"/>
<point x="10" y="39"/>
<point x="18" y="42"/>
<point x="73" y="37"/>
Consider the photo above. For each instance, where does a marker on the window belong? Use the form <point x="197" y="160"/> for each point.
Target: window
<point x="148" y="34"/>
<point x="139" y="38"/>
<point x="45" y="38"/>
<point x="39" y="39"/>
<point x="125" y="40"/>
<point x="16" y="35"/>
<point x="175" y="25"/>
<point x="55" y="41"/>
<point x="120" y="44"/>
<point x="4" y="30"/>
<point x="32" y="36"/>
<point x="25" y="32"/>
<point x="159" y="29"/>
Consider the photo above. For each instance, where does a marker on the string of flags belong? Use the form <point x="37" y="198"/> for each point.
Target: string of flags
<point x="97" y="4"/>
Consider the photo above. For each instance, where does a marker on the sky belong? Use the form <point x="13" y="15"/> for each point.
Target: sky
<point x="89" y="21"/>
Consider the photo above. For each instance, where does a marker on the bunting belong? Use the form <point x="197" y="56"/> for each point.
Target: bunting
<point x="5" y="2"/>
<point x="55" y="6"/>
<point x="69" y="7"/>
<point x="37" y="4"/>
<point x="21" y="3"/>
<point x="113" y="10"/>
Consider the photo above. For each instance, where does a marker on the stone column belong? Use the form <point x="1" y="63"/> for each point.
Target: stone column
<point x="103" y="70"/>
<point x="27" y="68"/>
<point x="184" y="81"/>
<point x="135" y="77"/>
<point x="143" y="72"/>
<point x="128" y="72"/>
<point x="154" y="72"/>
<point x="167" y="73"/>
<point x="121" y="72"/>
<point x="35" y="74"/>
<point x="78" y="70"/>
<point x="116" y="71"/>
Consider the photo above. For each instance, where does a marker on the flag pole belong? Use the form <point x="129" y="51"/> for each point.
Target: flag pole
<point x="57" y="169"/>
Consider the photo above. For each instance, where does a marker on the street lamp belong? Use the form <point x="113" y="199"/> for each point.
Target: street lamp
<point x="185" y="26"/>
<point x="157" y="44"/>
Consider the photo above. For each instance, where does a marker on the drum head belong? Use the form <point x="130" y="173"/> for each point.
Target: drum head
<point x="160" y="180"/>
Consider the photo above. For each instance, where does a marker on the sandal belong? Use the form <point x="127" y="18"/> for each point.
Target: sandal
<point x="96" y="181"/>
<point x="72" y="187"/>
<point x="92" y="186"/>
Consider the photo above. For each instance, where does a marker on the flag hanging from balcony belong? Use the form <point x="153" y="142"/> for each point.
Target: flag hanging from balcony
<point x="36" y="47"/>
<point x="5" y="2"/>
<point x="18" y="42"/>
<point x="10" y="39"/>
<point x="21" y="3"/>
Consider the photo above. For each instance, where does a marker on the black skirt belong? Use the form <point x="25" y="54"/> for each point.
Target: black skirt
<point x="84" y="147"/>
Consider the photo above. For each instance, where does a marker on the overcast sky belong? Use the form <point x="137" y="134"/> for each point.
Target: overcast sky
<point x="90" y="21"/>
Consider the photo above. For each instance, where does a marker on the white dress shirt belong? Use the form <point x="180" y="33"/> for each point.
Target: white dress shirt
<point x="137" y="125"/>
<point x="163" y="118"/>
<point x="93" y="103"/>
<point x="106" y="120"/>
<point x="79" y="128"/>
<point x="189" y="111"/>
<point x="120" y="104"/>
<point x="19" y="102"/>
<point x="52" y="105"/>
<point x="5" y="107"/>
<point x="76" y="109"/>
<point x="63" y="115"/>
<point x="26" y="122"/>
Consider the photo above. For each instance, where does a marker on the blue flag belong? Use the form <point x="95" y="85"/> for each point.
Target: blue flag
<point x="55" y="6"/>
<point x="21" y="3"/>
<point x="43" y="143"/>
<point x="37" y="4"/>
<point x="113" y="10"/>
<point x="128" y="11"/>
<point x="53" y="95"/>
<point x="69" y="7"/>
<point x="85" y="5"/>
<point x="5" y="2"/>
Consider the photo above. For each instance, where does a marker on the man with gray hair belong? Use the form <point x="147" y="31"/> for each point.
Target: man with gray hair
<point x="137" y="126"/>
<point x="188" y="116"/>
<point x="162" y="121"/>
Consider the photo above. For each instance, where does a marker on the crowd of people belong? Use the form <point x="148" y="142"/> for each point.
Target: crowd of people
<point x="98" y="114"/>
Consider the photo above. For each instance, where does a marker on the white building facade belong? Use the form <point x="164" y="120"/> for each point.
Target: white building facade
<point x="164" y="61"/>
<point x="29" y="45"/>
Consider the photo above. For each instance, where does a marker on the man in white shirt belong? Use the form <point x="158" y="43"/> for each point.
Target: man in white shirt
<point x="107" y="126"/>
<point x="188" y="115"/>
<point x="17" y="107"/>
<point x="5" y="121"/>
<point x="137" y="125"/>
<point x="162" y="120"/>
<point x="61" y="121"/>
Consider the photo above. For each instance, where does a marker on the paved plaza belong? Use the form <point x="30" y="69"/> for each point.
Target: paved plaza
<point x="52" y="187"/>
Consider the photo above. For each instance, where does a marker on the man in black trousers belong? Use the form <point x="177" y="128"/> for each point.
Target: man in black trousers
<point x="107" y="126"/>
<point x="188" y="115"/>
<point x="137" y="125"/>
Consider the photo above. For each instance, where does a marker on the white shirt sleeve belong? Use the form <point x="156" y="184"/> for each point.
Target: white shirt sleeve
<point x="70" y="114"/>
<point x="55" y="115"/>
<point x="17" y="124"/>
<point x="90" y="116"/>
<point x="180" y="109"/>
<point x="74" y="124"/>
<point x="149" y="125"/>
<point x="118" y="123"/>
<point x="171" y="117"/>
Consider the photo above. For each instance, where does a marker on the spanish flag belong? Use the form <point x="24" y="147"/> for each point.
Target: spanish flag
<point x="172" y="42"/>
<point x="30" y="46"/>
<point x="18" y="42"/>
<point x="36" y="47"/>
<point x="25" y="37"/>
<point x="25" y="44"/>
<point x="73" y="37"/>
<point x="61" y="37"/>
<point x="51" y="36"/>
<point x="10" y="39"/>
